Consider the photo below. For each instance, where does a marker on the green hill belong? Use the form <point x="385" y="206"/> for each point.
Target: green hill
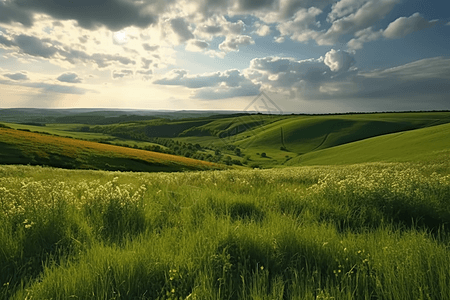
<point x="426" y="144"/>
<point x="23" y="147"/>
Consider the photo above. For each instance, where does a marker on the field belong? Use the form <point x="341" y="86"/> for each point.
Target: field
<point x="342" y="207"/>
<point x="368" y="231"/>
<point x="22" y="147"/>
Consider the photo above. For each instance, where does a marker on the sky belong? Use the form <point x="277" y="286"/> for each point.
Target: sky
<point x="305" y="56"/>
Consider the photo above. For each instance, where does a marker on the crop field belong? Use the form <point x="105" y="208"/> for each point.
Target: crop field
<point x="367" y="231"/>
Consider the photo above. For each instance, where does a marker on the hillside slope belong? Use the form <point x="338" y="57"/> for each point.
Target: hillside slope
<point x="426" y="144"/>
<point x="22" y="147"/>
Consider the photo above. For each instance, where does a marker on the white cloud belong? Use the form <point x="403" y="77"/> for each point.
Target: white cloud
<point x="338" y="61"/>
<point x="120" y="37"/>
<point x="364" y="36"/>
<point x="344" y="8"/>
<point x="404" y="26"/>
<point x="233" y="43"/>
<point x="263" y="30"/>
<point x="397" y="29"/>
<point x="367" y="15"/>
<point x="218" y="26"/>
<point x="217" y="85"/>
<point x="279" y="39"/>
<point x="299" y="28"/>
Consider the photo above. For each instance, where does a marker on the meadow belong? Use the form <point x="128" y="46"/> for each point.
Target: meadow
<point x="365" y="231"/>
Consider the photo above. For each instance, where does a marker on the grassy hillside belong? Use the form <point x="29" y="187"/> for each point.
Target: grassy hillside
<point x="426" y="144"/>
<point x="263" y="140"/>
<point x="371" y="231"/>
<point x="22" y="147"/>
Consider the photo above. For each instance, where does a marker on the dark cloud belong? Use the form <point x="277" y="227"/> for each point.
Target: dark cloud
<point x="45" y="48"/>
<point x="102" y="60"/>
<point x="5" y="41"/>
<point x="150" y="48"/>
<point x="9" y="13"/>
<point x="90" y="14"/>
<point x="17" y="76"/>
<point x="69" y="77"/>
<point x="146" y="74"/>
<point x="34" y="46"/>
<point x="420" y="78"/>
<point x="251" y="5"/>
<point x="49" y="88"/>
<point x="181" y="29"/>
<point x="146" y="62"/>
<point x="121" y="74"/>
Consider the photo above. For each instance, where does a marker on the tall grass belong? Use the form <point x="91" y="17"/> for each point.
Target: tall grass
<point x="373" y="231"/>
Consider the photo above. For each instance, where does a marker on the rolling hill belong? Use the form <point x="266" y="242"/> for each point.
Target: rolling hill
<point x="420" y="145"/>
<point x="23" y="147"/>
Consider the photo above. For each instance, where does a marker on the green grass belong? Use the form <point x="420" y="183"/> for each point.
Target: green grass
<point x="427" y="144"/>
<point x="22" y="147"/>
<point x="370" y="231"/>
<point x="286" y="139"/>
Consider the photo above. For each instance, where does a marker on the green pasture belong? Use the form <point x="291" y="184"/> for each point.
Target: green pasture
<point x="368" y="231"/>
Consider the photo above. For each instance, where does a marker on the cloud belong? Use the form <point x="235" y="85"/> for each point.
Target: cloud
<point x="102" y="60"/>
<point x="286" y="9"/>
<point x="263" y="30"/>
<point x="120" y="38"/>
<point x="306" y="79"/>
<point x="404" y="26"/>
<point x="338" y="61"/>
<point x="181" y="28"/>
<point x="252" y="5"/>
<point x="408" y="84"/>
<point x="9" y="13"/>
<point x="45" y="48"/>
<point x="364" y="36"/>
<point x="147" y="74"/>
<point x="5" y="41"/>
<point x="344" y="8"/>
<point x="69" y="77"/>
<point x="34" y="46"/>
<point x="121" y="73"/>
<point x="397" y="29"/>
<point x="196" y="45"/>
<point x="150" y="48"/>
<point x="430" y="68"/>
<point x="17" y="76"/>
<point x="300" y="27"/>
<point x="233" y="43"/>
<point x="218" y="85"/>
<point x="48" y="88"/>
<point x="218" y="26"/>
<point x="369" y="12"/>
<point x="284" y="73"/>
<point x="146" y="62"/>
<point x="91" y="14"/>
